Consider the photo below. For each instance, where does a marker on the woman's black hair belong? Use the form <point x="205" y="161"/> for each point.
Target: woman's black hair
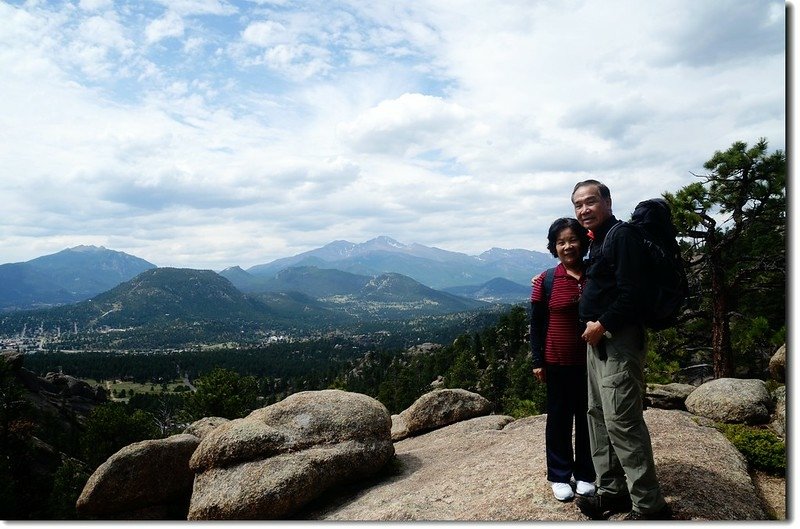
<point x="562" y="224"/>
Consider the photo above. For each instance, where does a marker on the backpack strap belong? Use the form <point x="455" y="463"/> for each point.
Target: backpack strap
<point x="547" y="285"/>
<point x="547" y="289"/>
<point x="539" y="317"/>
<point x="608" y="235"/>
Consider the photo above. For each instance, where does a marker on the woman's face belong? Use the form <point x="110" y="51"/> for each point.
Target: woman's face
<point x="568" y="247"/>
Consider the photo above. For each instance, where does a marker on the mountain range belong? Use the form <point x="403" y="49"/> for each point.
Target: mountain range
<point x="171" y="307"/>
<point x="68" y="276"/>
<point x="164" y="295"/>
<point x="79" y="273"/>
<point x="430" y="266"/>
<point x="497" y="290"/>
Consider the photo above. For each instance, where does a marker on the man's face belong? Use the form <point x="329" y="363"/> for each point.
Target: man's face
<point x="591" y="209"/>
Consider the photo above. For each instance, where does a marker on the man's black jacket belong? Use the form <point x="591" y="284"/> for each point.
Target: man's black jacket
<point x="615" y="284"/>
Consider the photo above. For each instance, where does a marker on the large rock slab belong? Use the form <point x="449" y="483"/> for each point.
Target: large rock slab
<point x="277" y="459"/>
<point x="71" y="386"/>
<point x="777" y="365"/>
<point x="732" y="400"/>
<point x="202" y="427"/>
<point x="668" y="396"/>
<point x="439" y="408"/>
<point x="399" y="428"/>
<point x="145" y="480"/>
<point x="778" y="422"/>
<point x="487" y="469"/>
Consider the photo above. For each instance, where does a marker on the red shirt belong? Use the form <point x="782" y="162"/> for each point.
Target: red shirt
<point x="563" y="344"/>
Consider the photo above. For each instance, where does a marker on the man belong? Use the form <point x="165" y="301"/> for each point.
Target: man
<point x="610" y="306"/>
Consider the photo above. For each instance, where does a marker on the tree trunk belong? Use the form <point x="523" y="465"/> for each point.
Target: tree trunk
<point x="721" y="350"/>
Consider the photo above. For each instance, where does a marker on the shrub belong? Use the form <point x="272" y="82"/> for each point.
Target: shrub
<point x="111" y="427"/>
<point x="761" y="448"/>
<point x="658" y="370"/>
<point x="519" y="408"/>
<point x="772" y="385"/>
<point x="222" y="393"/>
<point x="8" y="492"/>
<point x="68" y="483"/>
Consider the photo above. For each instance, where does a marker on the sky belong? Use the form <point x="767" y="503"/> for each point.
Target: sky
<point x="213" y="133"/>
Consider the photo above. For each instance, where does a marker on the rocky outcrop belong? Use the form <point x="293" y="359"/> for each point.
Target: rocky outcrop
<point x="145" y="480"/>
<point x="777" y="365"/>
<point x="399" y="428"/>
<point x="778" y="422"/>
<point x="668" y="396"/>
<point x="277" y="459"/>
<point x="73" y="387"/>
<point x="13" y="359"/>
<point x="64" y="397"/>
<point x="439" y="408"/>
<point x="493" y="468"/>
<point x="323" y="455"/>
<point x="732" y="400"/>
<point x="202" y="427"/>
<point x="424" y="348"/>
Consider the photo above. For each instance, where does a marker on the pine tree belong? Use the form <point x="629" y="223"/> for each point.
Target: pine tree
<point x="737" y="218"/>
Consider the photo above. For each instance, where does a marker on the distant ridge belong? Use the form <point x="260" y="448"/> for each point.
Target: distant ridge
<point x="79" y="273"/>
<point x="170" y="294"/>
<point x="69" y="276"/>
<point x="179" y="307"/>
<point x="350" y="292"/>
<point x="498" y="290"/>
<point x="430" y="266"/>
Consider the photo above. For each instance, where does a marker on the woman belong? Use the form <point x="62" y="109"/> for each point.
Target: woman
<point x="559" y="360"/>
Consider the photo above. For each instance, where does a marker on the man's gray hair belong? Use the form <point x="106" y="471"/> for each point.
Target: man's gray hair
<point x="604" y="191"/>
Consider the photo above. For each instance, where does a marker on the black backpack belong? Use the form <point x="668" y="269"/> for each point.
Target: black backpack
<point x="667" y="287"/>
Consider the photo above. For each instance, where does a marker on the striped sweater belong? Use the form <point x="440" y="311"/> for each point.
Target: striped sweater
<point x="563" y="344"/>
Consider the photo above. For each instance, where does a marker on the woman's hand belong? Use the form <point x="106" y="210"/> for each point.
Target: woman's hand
<point x="538" y="372"/>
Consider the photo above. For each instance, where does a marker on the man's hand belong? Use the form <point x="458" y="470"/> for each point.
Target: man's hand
<point x="538" y="372"/>
<point x="534" y="278"/>
<point x="593" y="333"/>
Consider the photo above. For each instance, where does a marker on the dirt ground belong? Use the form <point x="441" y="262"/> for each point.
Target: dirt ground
<point x="772" y="491"/>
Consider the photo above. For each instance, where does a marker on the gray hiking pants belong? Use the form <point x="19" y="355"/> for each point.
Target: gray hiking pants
<point x="618" y="435"/>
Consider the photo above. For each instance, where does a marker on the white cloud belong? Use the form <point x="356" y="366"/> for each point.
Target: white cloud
<point x="411" y="123"/>
<point x="97" y="46"/>
<point x="105" y="32"/>
<point x="708" y="35"/>
<point x="615" y="121"/>
<point x="264" y="34"/>
<point x="199" y="7"/>
<point x="299" y="62"/>
<point x="95" y="5"/>
<point x="193" y="45"/>
<point x="170" y="25"/>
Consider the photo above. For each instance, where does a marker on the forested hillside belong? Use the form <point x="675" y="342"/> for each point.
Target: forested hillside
<point x="493" y="362"/>
<point x="68" y="276"/>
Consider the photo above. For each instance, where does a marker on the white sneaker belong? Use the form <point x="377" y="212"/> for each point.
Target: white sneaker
<point x="562" y="491"/>
<point x="584" y="488"/>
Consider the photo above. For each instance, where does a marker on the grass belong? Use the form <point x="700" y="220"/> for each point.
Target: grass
<point x="117" y="386"/>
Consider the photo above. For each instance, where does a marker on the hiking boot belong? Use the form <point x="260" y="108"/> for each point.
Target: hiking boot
<point x="600" y="507"/>
<point x="665" y="513"/>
